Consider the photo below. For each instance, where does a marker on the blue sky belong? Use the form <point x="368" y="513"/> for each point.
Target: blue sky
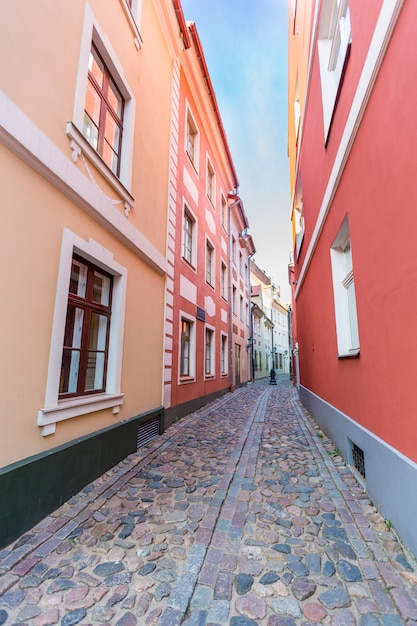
<point x="245" y="46"/>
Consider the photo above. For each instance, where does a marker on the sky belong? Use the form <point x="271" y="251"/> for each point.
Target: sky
<point x="246" y="51"/>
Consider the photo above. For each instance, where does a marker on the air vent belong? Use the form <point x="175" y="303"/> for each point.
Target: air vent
<point x="147" y="432"/>
<point x="358" y="458"/>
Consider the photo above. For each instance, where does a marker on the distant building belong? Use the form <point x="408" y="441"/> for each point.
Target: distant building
<point x="269" y="326"/>
<point x="352" y="157"/>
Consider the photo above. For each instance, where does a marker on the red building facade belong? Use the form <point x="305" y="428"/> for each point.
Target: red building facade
<point x="353" y="233"/>
<point x="207" y="296"/>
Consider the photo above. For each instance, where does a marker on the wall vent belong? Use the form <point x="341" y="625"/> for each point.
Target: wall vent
<point x="147" y="432"/>
<point x="358" y="458"/>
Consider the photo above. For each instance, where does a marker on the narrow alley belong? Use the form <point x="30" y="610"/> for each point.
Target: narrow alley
<point x="240" y="514"/>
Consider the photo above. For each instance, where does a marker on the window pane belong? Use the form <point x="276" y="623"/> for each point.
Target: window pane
<point x="112" y="132"/>
<point x="95" y="66"/>
<point x="101" y="289"/>
<point x="69" y="371"/>
<point x="90" y="131"/>
<point x="92" y="104"/>
<point x="73" y="327"/>
<point x="78" y="279"/>
<point x="94" y="378"/>
<point x="98" y="332"/>
<point x="115" y="99"/>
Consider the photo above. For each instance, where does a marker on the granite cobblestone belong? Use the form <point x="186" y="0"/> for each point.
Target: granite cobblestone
<point x="237" y="515"/>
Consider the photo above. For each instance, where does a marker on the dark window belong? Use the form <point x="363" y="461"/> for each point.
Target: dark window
<point x="86" y="340"/>
<point x="185" y="347"/>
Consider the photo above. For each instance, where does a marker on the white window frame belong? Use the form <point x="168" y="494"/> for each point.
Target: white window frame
<point x="79" y="144"/>
<point x="193" y="251"/>
<point x="224" y="354"/>
<point x="347" y="329"/>
<point x="56" y="410"/>
<point x="195" y="156"/>
<point x="333" y="44"/>
<point x="210" y="182"/>
<point x="191" y="377"/>
<point x="134" y="17"/>
<point x="210" y="358"/>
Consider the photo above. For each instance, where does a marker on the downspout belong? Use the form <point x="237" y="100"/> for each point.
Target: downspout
<point x="236" y="199"/>
<point x="251" y="365"/>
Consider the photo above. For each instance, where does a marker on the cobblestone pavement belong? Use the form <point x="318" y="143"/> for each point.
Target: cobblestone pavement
<point x="239" y="515"/>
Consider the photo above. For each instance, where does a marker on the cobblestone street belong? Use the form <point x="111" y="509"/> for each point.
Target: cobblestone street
<point x="239" y="514"/>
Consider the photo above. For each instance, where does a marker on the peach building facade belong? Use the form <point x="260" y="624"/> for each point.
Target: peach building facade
<point x="85" y="108"/>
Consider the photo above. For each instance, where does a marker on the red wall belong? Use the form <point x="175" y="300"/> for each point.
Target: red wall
<point x="376" y="191"/>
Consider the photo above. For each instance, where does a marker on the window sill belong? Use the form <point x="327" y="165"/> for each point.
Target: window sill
<point x="49" y="416"/>
<point x="187" y="379"/>
<point x="209" y="377"/>
<point x="79" y="145"/>
<point x="352" y="354"/>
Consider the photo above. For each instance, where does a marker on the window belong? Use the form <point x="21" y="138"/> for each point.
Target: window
<point x="103" y="116"/>
<point x="210" y="183"/>
<point x="241" y="309"/>
<point x="233" y="250"/>
<point x="85" y="351"/>
<point x="223" y="280"/>
<point x="223" y="216"/>
<point x="234" y="300"/>
<point x="240" y="264"/>
<point x="209" y="353"/>
<point x="192" y="140"/>
<point x="344" y="293"/>
<point x="187" y="348"/>
<point x="209" y="263"/>
<point x="188" y="237"/>
<point x="84" y="372"/>
<point x="333" y="45"/>
<point x="103" y="119"/>
<point x="224" y="354"/>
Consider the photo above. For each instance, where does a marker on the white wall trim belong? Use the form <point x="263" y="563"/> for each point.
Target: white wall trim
<point x="29" y="143"/>
<point x="387" y="20"/>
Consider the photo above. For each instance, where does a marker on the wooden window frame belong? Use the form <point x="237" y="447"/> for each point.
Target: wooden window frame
<point x="89" y="307"/>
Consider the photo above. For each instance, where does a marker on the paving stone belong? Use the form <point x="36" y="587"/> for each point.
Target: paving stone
<point x="237" y="508"/>
<point x="243" y="583"/>
<point x="349" y="571"/>
<point x="335" y="599"/>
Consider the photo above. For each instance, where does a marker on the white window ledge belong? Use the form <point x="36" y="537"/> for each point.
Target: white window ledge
<point x="49" y="416"/>
<point x="352" y="354"/>
<point x="79" y="145"/>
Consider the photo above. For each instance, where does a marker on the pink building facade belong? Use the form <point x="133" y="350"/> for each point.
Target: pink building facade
<point x="207" y="293"/>
<point x="354" y="229"/>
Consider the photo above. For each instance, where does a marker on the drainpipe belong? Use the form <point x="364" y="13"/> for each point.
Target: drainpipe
<point x="236" y="200"/>
<point x="251" y="366"/>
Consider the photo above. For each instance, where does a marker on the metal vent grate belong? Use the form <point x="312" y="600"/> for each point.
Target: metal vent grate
<point x="358" y="459"/>
<point x="147" y="432"/>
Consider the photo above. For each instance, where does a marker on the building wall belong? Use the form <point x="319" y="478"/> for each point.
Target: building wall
<point x="191" y="295"/>
<point x="57" y="199"/>
<point x="365" y="400"/>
